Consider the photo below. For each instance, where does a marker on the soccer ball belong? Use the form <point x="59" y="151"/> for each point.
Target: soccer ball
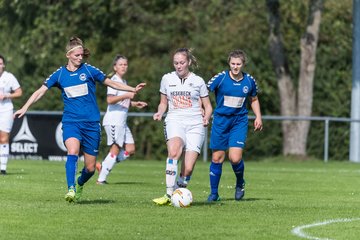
<point x="181" y="198"/>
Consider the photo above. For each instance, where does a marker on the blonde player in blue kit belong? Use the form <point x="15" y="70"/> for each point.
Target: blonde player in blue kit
<point x="183" y="92"/>
<point x="81" y="116"/>
<point x="233" y="89"/>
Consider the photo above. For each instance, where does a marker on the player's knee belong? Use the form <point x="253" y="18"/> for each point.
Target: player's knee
<point x="3" y="139"/>
<point x="90" y="169"/>
<point x="218" y="158"/>
<point x="235" y="160"/>
<point x="72" y="152"/>
<point x="173" y="153"/>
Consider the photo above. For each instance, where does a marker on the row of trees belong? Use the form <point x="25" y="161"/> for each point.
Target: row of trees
<point x="302" y="67"/>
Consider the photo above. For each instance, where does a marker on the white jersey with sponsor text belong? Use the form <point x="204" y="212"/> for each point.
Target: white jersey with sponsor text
<point x="183" y="96"/>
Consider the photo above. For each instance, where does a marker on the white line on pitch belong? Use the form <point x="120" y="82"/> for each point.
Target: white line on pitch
<point x="298" y="231"/>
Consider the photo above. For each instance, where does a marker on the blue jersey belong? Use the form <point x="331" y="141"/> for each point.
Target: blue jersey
<point x="78" y="90"/>
<point x="232" y="96"/>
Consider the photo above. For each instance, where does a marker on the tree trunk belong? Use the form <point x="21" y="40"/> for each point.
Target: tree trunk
<point x="293" y="103"/>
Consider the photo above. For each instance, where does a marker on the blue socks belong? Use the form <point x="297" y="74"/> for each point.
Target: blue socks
<point x="215" y="175"/>
<point x="85" y="176"/>
<point x="239" y="173"/>
<point x="70" y="167"/>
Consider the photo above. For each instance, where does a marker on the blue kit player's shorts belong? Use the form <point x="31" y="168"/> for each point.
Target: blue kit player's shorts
<point x="228" y="131"/>
<point x="88" y="133"/>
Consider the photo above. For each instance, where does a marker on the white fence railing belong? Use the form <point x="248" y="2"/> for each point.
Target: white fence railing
<point x="326" y="121"/>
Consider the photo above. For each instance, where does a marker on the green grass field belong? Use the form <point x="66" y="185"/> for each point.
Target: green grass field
<point x="279" y="197"/>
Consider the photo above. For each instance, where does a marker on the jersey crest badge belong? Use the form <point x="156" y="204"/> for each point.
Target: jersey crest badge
<point x="82" y="77"/>
<point x="245" y="89"/>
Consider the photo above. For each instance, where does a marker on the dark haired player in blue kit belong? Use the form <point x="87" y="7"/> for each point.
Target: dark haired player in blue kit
<point x="233" y="88"/>
<point x="81" y="116"/>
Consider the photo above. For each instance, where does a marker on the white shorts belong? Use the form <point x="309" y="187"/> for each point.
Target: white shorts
<point x="193" y="135"/>
<point x="118" y="134"/>
<point x="6" y="121"/>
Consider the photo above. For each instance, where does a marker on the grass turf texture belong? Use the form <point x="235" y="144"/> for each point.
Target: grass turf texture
<point x="279" y="196"/>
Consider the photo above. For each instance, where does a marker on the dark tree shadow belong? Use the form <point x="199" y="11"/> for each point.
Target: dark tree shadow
<point x="14" y="173"/>
<point x="128" y="183"/>
<point x="96" y="201"/>
<point x="224" y="200"/>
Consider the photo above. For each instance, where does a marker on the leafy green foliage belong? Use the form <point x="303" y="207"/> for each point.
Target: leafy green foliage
<point x="34" y="35"/>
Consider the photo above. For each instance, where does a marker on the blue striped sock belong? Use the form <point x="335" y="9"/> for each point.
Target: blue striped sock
<point x="85" y="176"/>
<point x="70" y="168"/>
<point x="215" y="175"/>
<point x="239" y="173"/>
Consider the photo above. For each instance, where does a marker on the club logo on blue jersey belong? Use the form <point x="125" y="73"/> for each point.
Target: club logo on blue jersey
<point x="245" y="89"/>
<point x="82" y="77"/>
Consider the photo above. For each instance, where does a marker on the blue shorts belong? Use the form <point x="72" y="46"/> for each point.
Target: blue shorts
<point x="228" y="131"/>
<point x="88" y="133"/>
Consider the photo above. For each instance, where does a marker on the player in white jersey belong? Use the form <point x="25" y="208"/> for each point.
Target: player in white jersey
<point x="183" y="93"/>
<point x="119" y="136"/>
<point x="9" y="89"/>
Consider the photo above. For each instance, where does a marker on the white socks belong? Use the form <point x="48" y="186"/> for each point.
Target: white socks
<point x="171" y="173"/>
<point x="4" y="155"/>
<point x="106" y="167"/>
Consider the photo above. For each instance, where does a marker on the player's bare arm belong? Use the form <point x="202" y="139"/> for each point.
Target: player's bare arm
<point x="161" y="108"/>
<point x="112" y="99"/>
<point x="207" y="110"/>
<point x="122" y="86"/>
<point x="255" y="106"/>
<point x="138" y="104"/>
<point x="33" y="98"/>
<point x="140" y="86"/>
<point x="15" y="94"/>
